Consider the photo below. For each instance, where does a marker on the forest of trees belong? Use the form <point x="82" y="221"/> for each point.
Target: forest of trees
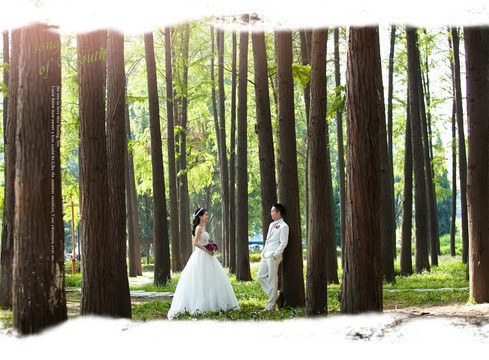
<point x="360" y="132"/>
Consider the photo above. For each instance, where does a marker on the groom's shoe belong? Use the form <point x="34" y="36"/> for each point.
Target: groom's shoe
<point x="279" y="301"/>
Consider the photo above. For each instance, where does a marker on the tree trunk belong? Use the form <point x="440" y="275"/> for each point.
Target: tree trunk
<point x="232" y="165"/>
<point x="10" y="125"/>
<point x="320" y="231"/>
<point x="462" y="156"/>
<point x="160" y="227"/>
<point x="406" y="261"/>
<point x="453" y="226"/>
<point x="362" y="277"/>
<point x="389" y="136"/>
<point x="38" y="295"/>
<point x="388" y="234"/>
<point x="116" y="101"/>
<point x="331" y="254"/>
<point x="263" y="129"/>
<point x="430" y="186"/>
<point x="243" y="272"/>
<point x="223" y="160"/>
<point x="172" y="173"/>
<point x="341" y="154"/>
<point x="96" y="256"/>
<point x="476" y="52"/>
<point x="184" y="208"/>
<point x="305" y="40"/>
<point x="387" y="221"/>
<point x="292" y="277"/>
<point x="6" y="62"/>
<point x="453" y="216"/>
<point x="134" y="252"/>
<point x="420" y="199"/>
<point x="426" y="118"/>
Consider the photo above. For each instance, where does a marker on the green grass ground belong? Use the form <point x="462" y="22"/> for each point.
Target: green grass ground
<point x="443" y="285"/>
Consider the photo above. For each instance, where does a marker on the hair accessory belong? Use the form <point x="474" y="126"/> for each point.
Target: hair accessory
<point x="197" y="213"/>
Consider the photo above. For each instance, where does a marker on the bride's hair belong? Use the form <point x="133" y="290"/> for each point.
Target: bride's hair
<point x="196" y="219"/>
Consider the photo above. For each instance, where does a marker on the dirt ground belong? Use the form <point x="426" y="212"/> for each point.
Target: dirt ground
<point x="455" y="309"/>
<point x="461" y="309"/>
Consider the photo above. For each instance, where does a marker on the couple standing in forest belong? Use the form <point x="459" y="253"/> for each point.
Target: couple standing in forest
<point x="204" y="285"/>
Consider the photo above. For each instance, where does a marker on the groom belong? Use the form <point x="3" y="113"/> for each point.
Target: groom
<point x="271" y="256"/>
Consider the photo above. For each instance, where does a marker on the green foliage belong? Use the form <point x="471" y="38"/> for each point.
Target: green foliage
<point x="255" y="257"/>
<point x="445" y="244"/>
<point x="301" y="73"/>
<point x="73" y="281"/>
<point x="445" y="283"/>
<point x="6" y="319"/>
<point x="152" y="310"/>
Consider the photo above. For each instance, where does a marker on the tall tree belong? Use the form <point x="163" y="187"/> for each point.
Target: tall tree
<point x="133" y="229"/>
<point x="406" y="261"/>
<point x="430" y="189"/>
<point x="10" y="125"/>
<point x="6" y="62"/>
<point x="172" y="173"/>
<point x="420" y="198"/>
<point x="320" y="231"/>
<point x="160" y="227"/>
<point x="462" y="155"/>
<point x="232" y="163"/>
<point x="339" y="136"/>
<point x="182" y="179"/>
<point x="223" y="160"/>
<point x="96" y="256"/>
<point x="390" y="146"/>
<point x="292" y="277"/>
<point x="430" y="175"/>
<point x="453" y="215"/>
<point x="243" y="260"/>
<point x="331" y="254"/>
<point x="305" y="41"/>
<point x="38" y="295"/>
<point x="361" y="289"/>
<point x="476" y="52"/>
<point x="116" y="111"/>
<point x="387" y="220"/>
<point x="263" y="129"/>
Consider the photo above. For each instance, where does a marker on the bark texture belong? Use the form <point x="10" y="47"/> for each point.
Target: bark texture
<point x="292" y="277"/>
<point x="116" y="130"/>
<point x="243" y="259"/>
<point x="96" y="255"/>
<point x="476" y="51"/>
<point x="160" y="227"/>
<point x="10" y="126"/>
<point x="420" y="196"/>
<point x="38" y="294"/>
<point x="320" y="231"/>
<point x="361" y="289"/>
<point x="263" y="129"/>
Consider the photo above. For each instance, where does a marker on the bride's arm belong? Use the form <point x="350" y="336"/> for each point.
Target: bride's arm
<point x="196" y="242"/>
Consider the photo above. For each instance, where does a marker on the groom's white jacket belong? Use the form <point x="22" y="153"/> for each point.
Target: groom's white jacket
<point x="277" y="239"/>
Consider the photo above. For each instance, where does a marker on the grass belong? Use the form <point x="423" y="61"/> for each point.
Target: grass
<point x="444" y="284"/>
<point x="405" y="292"/>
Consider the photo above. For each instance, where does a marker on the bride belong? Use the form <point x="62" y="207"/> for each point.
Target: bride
<point x="203" y="285"/>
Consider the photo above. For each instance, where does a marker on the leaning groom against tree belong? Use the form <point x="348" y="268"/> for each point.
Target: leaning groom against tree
<point x="271" y="256"/>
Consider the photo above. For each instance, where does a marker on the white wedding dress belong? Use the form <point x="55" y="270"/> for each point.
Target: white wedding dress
<point x="203" y="285"/>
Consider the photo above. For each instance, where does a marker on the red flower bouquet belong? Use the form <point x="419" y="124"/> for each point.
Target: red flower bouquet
<point x="211" y="246"/>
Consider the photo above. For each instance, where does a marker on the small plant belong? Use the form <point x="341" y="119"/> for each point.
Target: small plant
<point x="73" y="281"/>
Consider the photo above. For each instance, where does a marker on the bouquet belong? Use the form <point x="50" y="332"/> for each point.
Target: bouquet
<point x="211" y="246"/>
